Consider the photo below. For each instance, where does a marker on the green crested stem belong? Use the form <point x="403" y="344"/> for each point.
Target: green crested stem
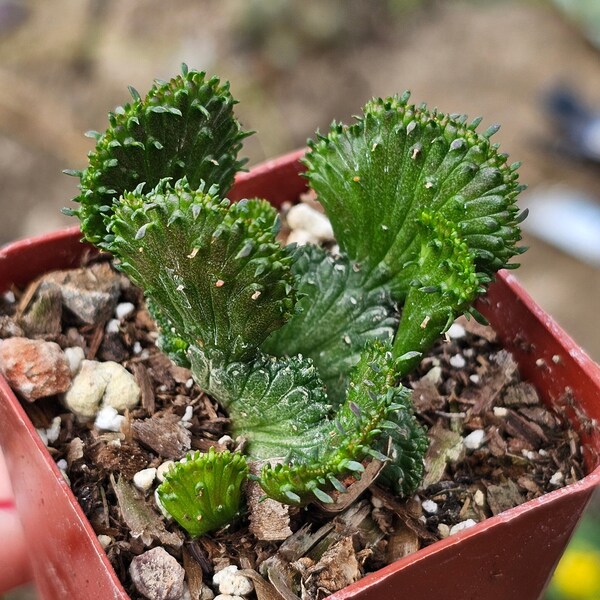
<point x="446" y="285"/>
<point x="376" y="177"/>
<point x="204" y="493"/>
<point x="375" y="410"/>
<point x="214" y="269"/>
<point x="182" y="128"/>
<point x="330" y="290"/>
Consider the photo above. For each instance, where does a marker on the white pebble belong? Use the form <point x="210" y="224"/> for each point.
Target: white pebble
<point x="500" y="411"/>
<point x="429" y="506"/>
<point x="434" y="375"/>
<point x="112" y="326"/>
<point x="225" y="440"/>
<point x="443" y="530"/>
<point x="474" y="440"/>
<point x="123" y="310"/>
<point x="75" y="356"/>
<point x="137" y="348"/>
<point x="543" y="452"/>
<point x="188" y="414"/>
<point x="233" y="583"/>
<point x="144" y="479"/>
<point x="479" y="498"/>
<point x="53" y="431"/>
<point x="163" y="468"/>
<point x="165" y="513"/>
<point x="302" y="216"/>
<point x="189" y="383"/>
<point x="228" y="597"/>
<point x="456" y="331"/>
<point x="458" y="361"/>
<point x="474" y="378"/>
<point x="376" y="502"/>
<point x="9" y="297"/>
<point x="43" y="435"/>
<point x="62" y="464"/>
<point x="121" y="392"/>
<point x="301" y="238"/>
<point x="108" y="419"/>
<point x="557" y="479"/>
<point x="105" y="540"/>
<point x="462" y="526"/>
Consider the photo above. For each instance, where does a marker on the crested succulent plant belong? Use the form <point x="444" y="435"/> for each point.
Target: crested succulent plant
<point x="303" y="349"/>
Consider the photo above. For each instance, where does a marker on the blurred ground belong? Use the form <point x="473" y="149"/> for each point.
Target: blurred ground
<point x="295" y="66"/>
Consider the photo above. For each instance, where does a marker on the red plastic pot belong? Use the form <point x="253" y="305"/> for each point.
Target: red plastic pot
<point x="510" y="555"/>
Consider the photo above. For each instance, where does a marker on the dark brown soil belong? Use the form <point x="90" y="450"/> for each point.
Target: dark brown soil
<point x="468" y="387"/>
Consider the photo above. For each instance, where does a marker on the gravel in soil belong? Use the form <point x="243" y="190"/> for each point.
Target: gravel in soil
<point x="493" y="446"/>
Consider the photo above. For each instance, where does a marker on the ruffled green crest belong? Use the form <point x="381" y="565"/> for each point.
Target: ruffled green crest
<point x="204" y="492"/>
<point x="182" y="128"/>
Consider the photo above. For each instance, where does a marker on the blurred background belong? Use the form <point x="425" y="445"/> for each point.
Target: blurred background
<point x="531" y="65"/>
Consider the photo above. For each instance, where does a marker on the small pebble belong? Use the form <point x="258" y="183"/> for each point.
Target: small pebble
<point x="226" y="441"/>
<point x="112" y="326"/>
<point x="231" y="582"/>
<point x="188" y="414"/>
<point x="474" y="378"/>
<point x="157" y="575"/>
<point x="34" y="368"/>
<point x="228" y="597"/>
<point x="376" y="502"/>
<point x="163" y="468"/>
<point x="474" y="440"/>
<point x="456" y="331"/>
<point x="123" y="310"/>
<point x="108" y="419"/>
<point x="9" y="297"/>
<point x="189" y="383"/>
<point x="75" y="356"/>
<point x="105" y="540"/>
<point x="53" y="431"/>
<point x="302" y="216"/>
<point x="443" y="530"/>
<point x="121" y="392"/>
<point x="458" y="361"/>
<point x="557" y="479"/>
<point x="479" y="498"/>
<point x="137" y="348"/>
<point x="434" y="375"/>
<point x="144" y="479"/>
<point x="165" y="513"/>
<point x="500" y="411"/>
<point x="301" y="238"/>
<point x="62" y="464"/>
<point x="429" y="506"/>
<point x="462" y="526"/>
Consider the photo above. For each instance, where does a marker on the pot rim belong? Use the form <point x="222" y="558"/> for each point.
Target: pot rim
<point x="71" y="237"/>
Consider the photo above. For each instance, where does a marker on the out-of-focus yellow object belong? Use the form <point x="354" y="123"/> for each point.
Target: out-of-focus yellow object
<point x="577" y="576"/>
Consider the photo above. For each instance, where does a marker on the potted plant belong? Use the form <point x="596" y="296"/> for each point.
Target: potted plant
<point x="152" y="196"/>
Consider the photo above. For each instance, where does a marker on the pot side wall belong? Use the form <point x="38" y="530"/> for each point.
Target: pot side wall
<point x="512" y="554"/>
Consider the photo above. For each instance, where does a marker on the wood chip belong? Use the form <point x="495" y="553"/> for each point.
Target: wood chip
<point x="269" y="519"/>
<point x="504" y="496"/>
<point x="142" y="378"/>
<point x="402" y="542"/>
<point x="164" y="434"/>
<point x="143" y="521"/>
